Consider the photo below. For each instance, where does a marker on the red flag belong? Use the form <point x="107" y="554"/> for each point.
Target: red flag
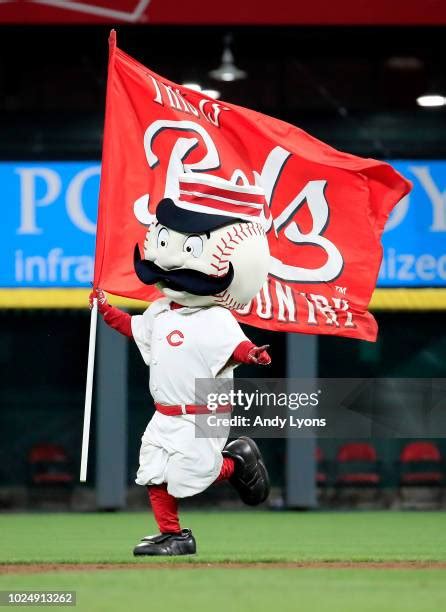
<point x="326" y="209"/>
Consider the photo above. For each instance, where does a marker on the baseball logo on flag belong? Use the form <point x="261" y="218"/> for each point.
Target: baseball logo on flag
<point x="205" y="245"/>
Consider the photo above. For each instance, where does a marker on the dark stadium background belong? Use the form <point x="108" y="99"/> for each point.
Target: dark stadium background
<point x="337" y="83"/>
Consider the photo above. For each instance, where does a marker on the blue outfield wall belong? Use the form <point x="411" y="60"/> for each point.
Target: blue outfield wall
<point x="50" y="208"/>
<point x="414" y="239"/>
<point x="48" y="235"/>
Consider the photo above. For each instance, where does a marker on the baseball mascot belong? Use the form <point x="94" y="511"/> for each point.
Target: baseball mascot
<point x="207" y="252"/>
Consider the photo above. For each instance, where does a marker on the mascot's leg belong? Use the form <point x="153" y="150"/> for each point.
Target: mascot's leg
<point x="249" y="476"/>
<point x="242" y="465"/>
<point x="172" y="540"/>
<point x="227" y="469"/>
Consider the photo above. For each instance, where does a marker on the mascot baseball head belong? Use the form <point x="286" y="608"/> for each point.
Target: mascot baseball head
<point x="207" y="245"/>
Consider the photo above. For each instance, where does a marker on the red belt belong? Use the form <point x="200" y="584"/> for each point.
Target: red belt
<point x="190" y="409"/>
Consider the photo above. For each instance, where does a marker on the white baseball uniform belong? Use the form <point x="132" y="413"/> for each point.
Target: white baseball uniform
<point x="181" y="345"/>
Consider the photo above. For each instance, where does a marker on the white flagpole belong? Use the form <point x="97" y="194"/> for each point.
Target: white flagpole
<point x="89" y="390"/>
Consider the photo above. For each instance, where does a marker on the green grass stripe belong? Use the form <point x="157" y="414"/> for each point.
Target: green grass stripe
<point x="229" y="536"/>
<point x="257" y="590"/>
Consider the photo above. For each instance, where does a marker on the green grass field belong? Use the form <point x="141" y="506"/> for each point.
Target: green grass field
<point x="242" y="537"/>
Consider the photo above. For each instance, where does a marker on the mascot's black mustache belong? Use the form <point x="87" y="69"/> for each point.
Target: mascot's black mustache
<point x="192" y="281"/>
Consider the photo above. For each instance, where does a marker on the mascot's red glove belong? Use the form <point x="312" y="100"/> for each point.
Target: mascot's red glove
<point x="247" y="352"/>
<point x="115" y="318"/>
<point x="103" y="305"/>
<point x="260" y="355"/>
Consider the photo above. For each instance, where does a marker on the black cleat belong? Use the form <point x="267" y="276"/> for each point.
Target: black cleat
<point x="167" y="545"/>
<point x="250" y="476"/>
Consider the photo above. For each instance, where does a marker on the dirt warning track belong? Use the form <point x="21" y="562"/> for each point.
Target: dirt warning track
<point x="39" y="568"/>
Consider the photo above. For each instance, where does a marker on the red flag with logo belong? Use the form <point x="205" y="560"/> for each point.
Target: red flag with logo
<point x="325" y="213"/>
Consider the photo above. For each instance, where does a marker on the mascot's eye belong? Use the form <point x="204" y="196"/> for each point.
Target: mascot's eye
<point x="193" y="245"/>
<point x="163" y="238"/>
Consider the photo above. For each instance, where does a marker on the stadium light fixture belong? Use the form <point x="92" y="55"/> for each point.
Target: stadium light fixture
<point x="227" y="71"/>
<point x="431" y="100"/>
<point x="194" y="86"/>
<point x="211" y="93"/>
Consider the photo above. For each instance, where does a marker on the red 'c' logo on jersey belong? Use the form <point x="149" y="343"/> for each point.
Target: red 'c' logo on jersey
<point x="175" y="338"/>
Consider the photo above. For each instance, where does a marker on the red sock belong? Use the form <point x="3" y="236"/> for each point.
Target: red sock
<point x="165" y="508"/>
<point x="227" y="469"/>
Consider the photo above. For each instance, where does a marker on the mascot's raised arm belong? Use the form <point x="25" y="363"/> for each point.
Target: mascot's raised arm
<point x="207" y="252"/>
